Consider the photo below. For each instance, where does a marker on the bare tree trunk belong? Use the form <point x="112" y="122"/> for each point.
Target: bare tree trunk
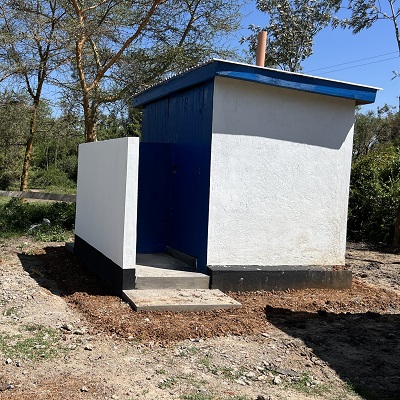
<point x="90" y="134"/>
<point x="394" y="19"/>
<point x="89" y="90"/>
<point x="29" y="148"/>
<point x="396" y="237"/>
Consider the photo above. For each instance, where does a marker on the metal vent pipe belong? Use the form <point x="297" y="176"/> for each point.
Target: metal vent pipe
<point x="261" y="46"/>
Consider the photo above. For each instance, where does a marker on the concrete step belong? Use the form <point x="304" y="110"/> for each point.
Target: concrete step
<point x="179" y="300"/>
<point x="161" y="271"/>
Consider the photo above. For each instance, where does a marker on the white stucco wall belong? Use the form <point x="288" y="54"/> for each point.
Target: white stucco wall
<point x="280" y="170"/>
<point x="106" y="209"/>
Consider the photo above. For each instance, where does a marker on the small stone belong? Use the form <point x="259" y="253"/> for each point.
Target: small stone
<point x="8" y="361"/>
<point x="84" y="389"/>
<point x="241" y="382"/>
<point x="18" y="364"/>
<point x="78" y="332"/>
<point x="67" y="327"/>
<point x="277" y="380"/>
<point x="250" y="375"/>
<point x="89" y="347"/>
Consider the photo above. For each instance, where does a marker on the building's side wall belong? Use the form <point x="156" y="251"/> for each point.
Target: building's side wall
<point x="280" y="170"/>
<point x="107" y="198"/>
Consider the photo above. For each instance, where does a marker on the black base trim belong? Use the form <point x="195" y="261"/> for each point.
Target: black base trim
<point x="237" y="278"/>
<point x="119" y="279"/>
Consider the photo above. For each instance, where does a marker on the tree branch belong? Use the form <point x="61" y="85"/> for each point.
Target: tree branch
<point x="94" y="6"/>
<point x="127" y="43"/>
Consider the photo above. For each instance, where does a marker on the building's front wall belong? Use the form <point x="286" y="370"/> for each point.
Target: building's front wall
<point x="280" y="170"/>
<point x="106" y="208"/>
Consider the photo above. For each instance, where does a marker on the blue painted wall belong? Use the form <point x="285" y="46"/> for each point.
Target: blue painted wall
<point x="181" y="125"/>
<point x="154" y="197"/>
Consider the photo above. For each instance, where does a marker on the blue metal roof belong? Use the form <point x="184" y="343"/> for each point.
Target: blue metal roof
<point x="267" y="76"/>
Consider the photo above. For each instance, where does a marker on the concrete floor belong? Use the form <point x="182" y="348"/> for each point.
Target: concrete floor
<point x="161" y="271"/>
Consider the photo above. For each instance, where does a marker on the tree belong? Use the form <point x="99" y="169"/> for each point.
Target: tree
<point x="292" y="27"/>
<point x="375" y="178"/>
<point x="55" y="160"/>
<point x="30" y="52"/>
<point x="114" y="36"/>
<point x="373" y="129"/>
<point x="14" y="123"/>
<point x="364" y="13"/>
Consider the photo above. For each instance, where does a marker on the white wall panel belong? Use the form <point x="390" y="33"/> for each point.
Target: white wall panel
<point x="107" y="198"/>
<point x="280" y="169"/>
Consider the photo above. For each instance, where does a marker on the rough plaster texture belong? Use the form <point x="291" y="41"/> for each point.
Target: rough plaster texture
<point x="106" y="209"/>
<point x="280" y="170"/>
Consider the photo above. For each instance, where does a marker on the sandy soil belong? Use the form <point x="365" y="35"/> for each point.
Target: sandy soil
<point x="63" y="335"/>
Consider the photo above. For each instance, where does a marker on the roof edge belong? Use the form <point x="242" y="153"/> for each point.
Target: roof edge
<point x="361" y="94"/>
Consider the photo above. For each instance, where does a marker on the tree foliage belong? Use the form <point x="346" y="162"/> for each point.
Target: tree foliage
<point x="364" y="14"/>
<point x="54" y="161"/>
<point x="375" y="179"/>
<point x="374" y="194"/>
<point x="373" y="129"/>
<point x="29" y="52"/>
<point x="122" y="46"/>
<point x="291" y="29"/>
<point x="14" y="125"/>
<point x="95" y="55"/>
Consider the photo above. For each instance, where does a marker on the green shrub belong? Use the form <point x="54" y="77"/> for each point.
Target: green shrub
<point x="374" y="195"/>
<point x="62" y="214"/>
<point x="50" y="233"/>
<point x="16" y="217"/>
<point x="43" y="178"/>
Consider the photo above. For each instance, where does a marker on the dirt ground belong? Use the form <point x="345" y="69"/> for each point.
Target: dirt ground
<point x="63" y="335"/>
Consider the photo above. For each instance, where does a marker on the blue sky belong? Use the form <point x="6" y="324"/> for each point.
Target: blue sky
<point x="339" y="48"/>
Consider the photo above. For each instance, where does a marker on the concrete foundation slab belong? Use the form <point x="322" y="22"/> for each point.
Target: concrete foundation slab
<point x="161" y="271"/>
<point x="179" y="300"/>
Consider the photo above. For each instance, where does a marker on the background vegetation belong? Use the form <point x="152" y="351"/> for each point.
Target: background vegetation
<point x="71" y="69"/>
<point x="375" y="179"/>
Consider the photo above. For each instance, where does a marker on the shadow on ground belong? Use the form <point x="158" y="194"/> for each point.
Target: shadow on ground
<point x="60" y="272"/>
<point x="364" y="349"/>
